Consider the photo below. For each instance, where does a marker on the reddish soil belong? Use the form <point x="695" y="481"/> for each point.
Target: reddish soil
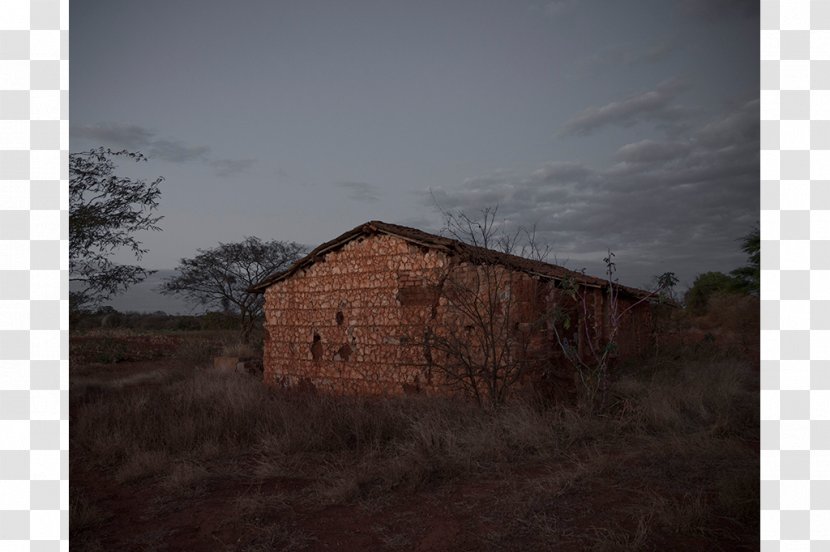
<point x="459" y="515"/>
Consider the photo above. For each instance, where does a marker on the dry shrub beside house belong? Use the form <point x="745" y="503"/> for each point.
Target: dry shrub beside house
<point x="387" y="309"/>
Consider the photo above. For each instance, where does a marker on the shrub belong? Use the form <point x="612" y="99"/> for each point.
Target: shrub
<point x="241" y="350"/>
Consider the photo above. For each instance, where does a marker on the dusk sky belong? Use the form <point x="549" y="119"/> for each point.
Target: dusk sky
<point x="631" y="125"/>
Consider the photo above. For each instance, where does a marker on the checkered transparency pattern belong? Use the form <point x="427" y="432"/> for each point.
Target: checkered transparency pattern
<point x="795" y="275"/>
<point x="34" y="323"/>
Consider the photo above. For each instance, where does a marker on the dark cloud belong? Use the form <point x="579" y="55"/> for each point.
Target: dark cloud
<point x="360" y="191"/>
<point x="654" y="105"/>
<point x="138" y="138"/>
<point x="661" y="205"/>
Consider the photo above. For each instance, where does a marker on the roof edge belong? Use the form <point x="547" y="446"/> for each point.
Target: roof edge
<point x="450" y="246"/>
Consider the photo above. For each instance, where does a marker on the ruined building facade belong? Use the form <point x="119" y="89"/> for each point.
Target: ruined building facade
<point x="382" y="309"/>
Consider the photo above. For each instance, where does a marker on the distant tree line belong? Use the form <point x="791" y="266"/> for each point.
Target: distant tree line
<point x="745" y="280"/>
<point x="159" y="321"/>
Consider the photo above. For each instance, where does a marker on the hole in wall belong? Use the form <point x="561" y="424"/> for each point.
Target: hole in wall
<point x="339" y="318"/>
<point x="344" y="352"/>
<point x="316" y="347"/>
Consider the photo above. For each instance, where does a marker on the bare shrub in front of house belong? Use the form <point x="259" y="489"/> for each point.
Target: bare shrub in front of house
<point x="481" y="343"/>
<point x="597" y="323"/>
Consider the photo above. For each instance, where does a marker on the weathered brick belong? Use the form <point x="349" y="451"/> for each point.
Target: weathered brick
<point x="356" y="322"/>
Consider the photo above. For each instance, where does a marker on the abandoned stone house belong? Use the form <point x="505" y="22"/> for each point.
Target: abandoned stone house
<point x="360" y="314"/>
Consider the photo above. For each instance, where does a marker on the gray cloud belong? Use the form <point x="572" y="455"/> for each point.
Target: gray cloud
<point x="661" y="204"/>
<point x="116" y="134"/>
<point x="177" y="152"/>
<point x="718" y="9"/>
<point x="654" y="105"/>
<point x="360" y="191"/>
<point x="135" y="137"/>
<point x="651" y="151"/>
<point x="657" y="51"/>
<point x="558" y="8"/>
<point x="629" y="55"/>
<point x="230" y="167"/>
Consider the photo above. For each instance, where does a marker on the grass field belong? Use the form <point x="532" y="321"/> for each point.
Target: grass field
<point x="168" y="454"/>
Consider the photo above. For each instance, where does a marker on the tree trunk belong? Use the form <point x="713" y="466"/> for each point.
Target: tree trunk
<point x="246" y="325"/>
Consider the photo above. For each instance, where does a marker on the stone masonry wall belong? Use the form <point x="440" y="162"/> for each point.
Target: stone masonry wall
<point x="346" y="322"/>
<point x="354" y="321"/>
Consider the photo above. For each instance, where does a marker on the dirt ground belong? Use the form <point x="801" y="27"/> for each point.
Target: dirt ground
<point x="655" y="495"/>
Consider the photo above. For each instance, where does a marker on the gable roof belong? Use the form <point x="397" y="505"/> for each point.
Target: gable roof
<point x="451" y="247"/>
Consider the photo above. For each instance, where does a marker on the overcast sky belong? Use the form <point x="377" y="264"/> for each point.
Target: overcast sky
<point x="631" y="125"/>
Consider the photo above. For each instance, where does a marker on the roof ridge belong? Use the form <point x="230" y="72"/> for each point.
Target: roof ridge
<point x="472" y="252"/>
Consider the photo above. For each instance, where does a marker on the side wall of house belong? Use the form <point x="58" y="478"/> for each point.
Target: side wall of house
<point x="355" y="321"/>
<point x="346" y="323"/>
<point x="636" y="336"/>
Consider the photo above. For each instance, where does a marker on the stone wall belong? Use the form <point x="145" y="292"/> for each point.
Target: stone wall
<point x="354" y="321"/>
<point x="347" y="322"/>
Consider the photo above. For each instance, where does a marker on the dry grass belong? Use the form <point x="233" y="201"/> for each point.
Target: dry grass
<point x="716" y="395"/>
<point x="276" y="536"/>
<point x="241" y="350"/>
<point x="256" y="505"/>
<point x="83" y="515"/>
<point x="678" y="443"/>
<point x="198" y="351"/>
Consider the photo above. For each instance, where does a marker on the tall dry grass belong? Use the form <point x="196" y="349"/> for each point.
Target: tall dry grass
<point x="683" y="434"/>
<point x="210" y="414"/>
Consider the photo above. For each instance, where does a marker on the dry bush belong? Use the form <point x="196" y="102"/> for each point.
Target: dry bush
<point x="255" y="505"/>
<point x="448" y="441"/>
<point x="731" y="312"/>
<point x="680" y="450"/>
<point x="680" y="439"/>
<point x="241" y="350"/>
<point x="143" y="464"/>
<point x="185" y="479"/>
<point x="401" y="442"/>
<point x="405" y="442"/>
<point x="618" y="539"/>
<point x="83" y="515"/>
<point x="197" y="350"/>
<point x="728" y="328"/>
<point x="277" y="536"/>
<point x="713" y="395"/>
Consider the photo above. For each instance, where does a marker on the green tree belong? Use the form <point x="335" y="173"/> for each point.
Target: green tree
<point x="105" y="213"/>
<point x="592" y="364"/>
<point x="705" y="286"/>
<point x="220" y="277"/>
<point x="748" y="278"/>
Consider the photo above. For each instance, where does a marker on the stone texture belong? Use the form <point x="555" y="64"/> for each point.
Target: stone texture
<point x="354" y="321"/>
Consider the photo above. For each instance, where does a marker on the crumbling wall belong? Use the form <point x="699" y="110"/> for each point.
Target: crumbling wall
<point x="355" y="320"/>
<point x="346" y="323"/>
<point x="636" y="336"/>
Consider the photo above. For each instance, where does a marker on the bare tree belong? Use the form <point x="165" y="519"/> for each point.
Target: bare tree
<point x="480" y="342"/>
<point x="220" y="277"/>
<point x="486" y="231"/>
<point x="484" y="343"/>
<point x="477" y="338"/>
